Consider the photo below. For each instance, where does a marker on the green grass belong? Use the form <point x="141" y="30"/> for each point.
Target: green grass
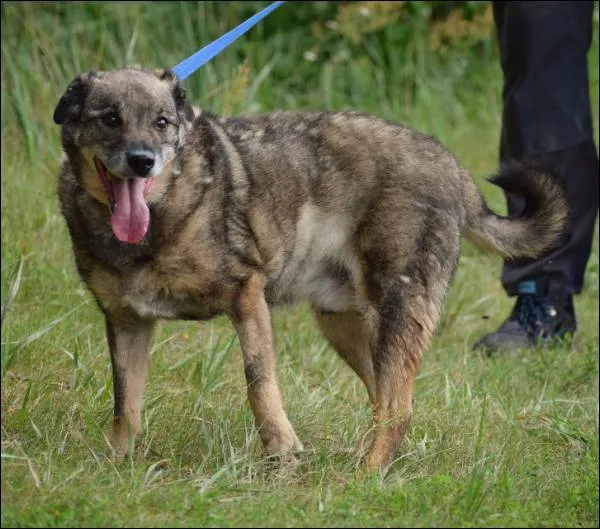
<point x="509" y="441"/>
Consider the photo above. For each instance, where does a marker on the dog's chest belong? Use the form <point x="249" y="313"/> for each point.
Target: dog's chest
<point x="171" y="293"/>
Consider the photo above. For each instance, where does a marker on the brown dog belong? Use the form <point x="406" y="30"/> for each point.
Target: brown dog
<point x="181" y="215"/>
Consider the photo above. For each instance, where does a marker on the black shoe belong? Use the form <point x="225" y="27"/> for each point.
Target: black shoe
<point x="536" y="318"/>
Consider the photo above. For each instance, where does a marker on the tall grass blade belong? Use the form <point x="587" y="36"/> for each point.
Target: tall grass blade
<point x="12" y="291"/>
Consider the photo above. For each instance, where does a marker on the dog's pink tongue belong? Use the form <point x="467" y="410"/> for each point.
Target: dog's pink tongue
<point x="131" y="218"/>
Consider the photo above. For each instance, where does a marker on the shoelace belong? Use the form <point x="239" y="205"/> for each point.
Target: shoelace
<point x="534" y="312"/>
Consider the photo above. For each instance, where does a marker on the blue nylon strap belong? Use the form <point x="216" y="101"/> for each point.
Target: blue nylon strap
<point x="188" y="66"/>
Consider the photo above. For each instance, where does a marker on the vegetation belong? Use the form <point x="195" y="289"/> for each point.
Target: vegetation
<point x="506" y="441"/>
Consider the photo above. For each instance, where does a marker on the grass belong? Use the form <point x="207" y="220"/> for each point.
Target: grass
<point x="508" y="441"/>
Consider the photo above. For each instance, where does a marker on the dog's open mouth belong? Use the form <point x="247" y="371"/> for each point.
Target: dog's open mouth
<point x="130" y="217"/>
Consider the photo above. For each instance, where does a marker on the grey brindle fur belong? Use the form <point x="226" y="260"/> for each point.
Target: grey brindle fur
<point x="358" y="216"/>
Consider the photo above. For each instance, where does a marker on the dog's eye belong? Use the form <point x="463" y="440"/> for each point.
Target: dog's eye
<point x="112" y="120"/>
<point x="161" y="123"/>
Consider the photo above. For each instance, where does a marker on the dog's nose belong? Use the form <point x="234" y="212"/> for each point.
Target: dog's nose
<point x="141" y="162"/>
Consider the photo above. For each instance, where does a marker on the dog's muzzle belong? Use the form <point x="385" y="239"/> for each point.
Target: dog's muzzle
<point x="141" y="161"/>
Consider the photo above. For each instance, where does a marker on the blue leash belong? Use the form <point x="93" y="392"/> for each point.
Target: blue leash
<point x="188" y="66"/>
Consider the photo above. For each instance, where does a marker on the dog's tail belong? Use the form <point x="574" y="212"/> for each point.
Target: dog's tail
<point x="540" y="223"/>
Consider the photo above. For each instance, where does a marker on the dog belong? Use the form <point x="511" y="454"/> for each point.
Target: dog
<point x="177" y="213"/>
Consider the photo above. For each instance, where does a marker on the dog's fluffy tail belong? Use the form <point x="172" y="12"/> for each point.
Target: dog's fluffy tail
<point x="540" y="223"/>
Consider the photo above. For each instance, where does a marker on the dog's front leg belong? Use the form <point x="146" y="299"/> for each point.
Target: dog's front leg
<point x="129" y="343"/>
<point x="252" y="321"/>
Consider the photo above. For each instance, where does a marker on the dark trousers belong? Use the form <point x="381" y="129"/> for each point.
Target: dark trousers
<point x="547" y="116"/>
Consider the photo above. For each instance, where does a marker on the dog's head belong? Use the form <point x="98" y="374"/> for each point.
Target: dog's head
<point x="126" y="126"/>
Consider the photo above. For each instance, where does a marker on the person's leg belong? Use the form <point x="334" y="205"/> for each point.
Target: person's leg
<point x="564" y="264"/>
<point x="547" y="117"/>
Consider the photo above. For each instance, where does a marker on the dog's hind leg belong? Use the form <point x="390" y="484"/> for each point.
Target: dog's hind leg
<point x="408" y="292"/>
<point x="396" y="359"/>
<point x="252" y="321"/>
<point x="352" y="335"/>
<point x="129" y="343"/>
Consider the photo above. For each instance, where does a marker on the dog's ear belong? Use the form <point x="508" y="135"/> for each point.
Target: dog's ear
<point x="71" y="103"/>
<point x="179" y="94"/>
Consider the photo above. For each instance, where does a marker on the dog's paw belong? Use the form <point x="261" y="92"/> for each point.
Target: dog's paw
<point x="284" y="442"/>
<point x="120" y="450"/>
<point x="122" y="440"/>
<point x="282" y="464"/>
